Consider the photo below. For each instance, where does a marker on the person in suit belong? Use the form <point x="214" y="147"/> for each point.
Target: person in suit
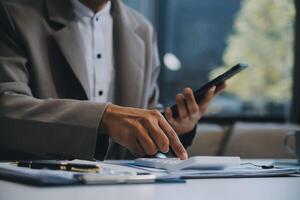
<point x="78" y="79"/>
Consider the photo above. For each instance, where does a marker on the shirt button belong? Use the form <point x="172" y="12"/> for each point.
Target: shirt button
<point x="99" y="56"/>
<point x="100" y="93"/>
<point x="97" y="18"/>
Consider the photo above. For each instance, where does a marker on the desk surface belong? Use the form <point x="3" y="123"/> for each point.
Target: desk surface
<point x="253" y="188"/>
<point x="281" y="188"/>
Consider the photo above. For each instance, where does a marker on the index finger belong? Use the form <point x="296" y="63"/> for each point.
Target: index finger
<point x="174" y="141"/>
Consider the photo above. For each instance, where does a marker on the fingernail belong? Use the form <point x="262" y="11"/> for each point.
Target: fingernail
<point x="166" y="150"/>
<point x="178" y="96"/>
<point x="184" y="156"/>
<point x="187" y="90"/>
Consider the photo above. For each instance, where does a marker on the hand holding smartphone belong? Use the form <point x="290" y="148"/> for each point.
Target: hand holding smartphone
<point x="200" y="93"/>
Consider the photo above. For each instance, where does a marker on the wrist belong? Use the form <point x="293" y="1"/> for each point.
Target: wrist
<point x="106" y="118"/>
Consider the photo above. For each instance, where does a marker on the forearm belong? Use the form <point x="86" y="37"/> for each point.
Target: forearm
<point x="52" y="128"/>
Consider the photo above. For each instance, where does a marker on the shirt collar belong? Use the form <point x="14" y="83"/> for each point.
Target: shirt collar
<point x="83" y="11"/>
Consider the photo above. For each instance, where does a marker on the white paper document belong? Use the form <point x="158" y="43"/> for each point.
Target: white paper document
<point x="242" y="171"/>
<point x="235" y="172"/>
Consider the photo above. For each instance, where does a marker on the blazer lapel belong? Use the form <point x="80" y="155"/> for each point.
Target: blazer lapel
<point x="69" y="40"/>
<point x="129" y="51"/>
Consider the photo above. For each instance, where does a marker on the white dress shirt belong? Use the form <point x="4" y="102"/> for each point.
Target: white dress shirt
<point x="97" y="34"/>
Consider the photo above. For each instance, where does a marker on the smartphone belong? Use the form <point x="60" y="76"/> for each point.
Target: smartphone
<point x="200" y="93"/>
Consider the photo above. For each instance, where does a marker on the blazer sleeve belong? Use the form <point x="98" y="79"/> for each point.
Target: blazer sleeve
<point x="187" y="138"/>
<point x="45" y="128"/>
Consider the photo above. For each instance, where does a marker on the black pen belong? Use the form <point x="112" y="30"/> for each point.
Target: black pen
<point x="60" y="165"/>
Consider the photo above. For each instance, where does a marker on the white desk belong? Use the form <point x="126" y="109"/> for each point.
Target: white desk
<point x="219" y="189"/>
<point x="283" y="188"/>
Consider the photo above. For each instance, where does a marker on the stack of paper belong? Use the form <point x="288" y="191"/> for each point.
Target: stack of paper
<point x="110" y="174"/>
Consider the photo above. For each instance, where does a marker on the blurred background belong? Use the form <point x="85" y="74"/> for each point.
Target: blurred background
<point x="199" y="40"/>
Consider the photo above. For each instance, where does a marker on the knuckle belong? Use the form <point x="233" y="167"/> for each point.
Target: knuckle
<point x="135" y="126"/>
<point x="150" y="122"/>
<point x="164" y="145"/>
<point x="196" y="116"/>
<point x="156" y="113"/>
<point x="184" y="116"/>
<point x="146" y="120"/>
<point x="195" y="110"/>
<point x="172" y="136"/>
<point x="179" y="98"/>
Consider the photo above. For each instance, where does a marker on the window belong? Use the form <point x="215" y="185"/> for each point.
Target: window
<point x="201" y="39"/>
<point x="295" y="114"/>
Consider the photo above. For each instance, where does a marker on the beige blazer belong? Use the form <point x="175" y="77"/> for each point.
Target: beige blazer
<point x="44" y="108"/>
